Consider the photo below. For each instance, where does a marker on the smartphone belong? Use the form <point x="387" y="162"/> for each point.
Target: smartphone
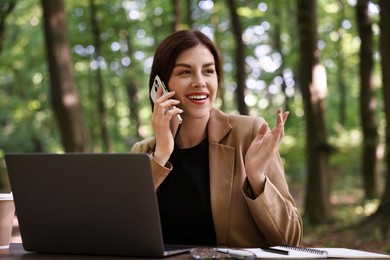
<point x="157" y="83"/>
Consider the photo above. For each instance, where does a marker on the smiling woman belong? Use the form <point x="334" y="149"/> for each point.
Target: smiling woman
<point x="219" y="179"/>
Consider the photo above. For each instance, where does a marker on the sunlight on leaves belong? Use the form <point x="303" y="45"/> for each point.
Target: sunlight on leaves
<point x="249" y="12"/>
<point x="37" y="78"/>
<point x="250" y="100"/>
<point x="368" y="208"/>
<point x="34" y="105"/>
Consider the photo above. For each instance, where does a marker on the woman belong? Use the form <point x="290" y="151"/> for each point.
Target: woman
<point x="219" y="179"/>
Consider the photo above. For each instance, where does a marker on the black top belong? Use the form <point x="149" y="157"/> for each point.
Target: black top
<point x="184" y="198"/>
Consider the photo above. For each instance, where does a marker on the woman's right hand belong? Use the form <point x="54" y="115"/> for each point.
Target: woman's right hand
<point x="163" y="112"/>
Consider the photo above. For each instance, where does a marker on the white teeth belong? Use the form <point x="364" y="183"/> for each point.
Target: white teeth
<point x="198" y="97"/>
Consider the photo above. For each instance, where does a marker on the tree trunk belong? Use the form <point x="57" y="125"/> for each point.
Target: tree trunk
<point x="64" y="95"/>
<point x="5" y="9"/>
<point x="278" y="48"/>
<point x="240" y="58"/>
<point x="107" y="144"/>
<point x="132" y="91"/>
<point x="190" y="9"/>
<point x="370" y="167"/>
<point x="383" y="214"/>
<point x="341" y="66"/>
<point x="313" y="86"/>
<point x="177" y="15"/>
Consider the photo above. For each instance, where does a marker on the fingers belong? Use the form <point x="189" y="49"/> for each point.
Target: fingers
<point x="165" y="109"/>
<point x="262" y="131"/>
<point x="169" y="113"/>
<point x="281" y="117"/>
<point x="278" y="131"/>
<point x="164" y="112"/>
<point x="161" y="97"/>
<point x="164" y="102"/>
<point x="281" y="120"/>
<point x="285" y="116"/>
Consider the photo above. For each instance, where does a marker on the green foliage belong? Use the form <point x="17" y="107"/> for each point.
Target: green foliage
<point x="129" y="34"/>
<point x="26" y="115"/>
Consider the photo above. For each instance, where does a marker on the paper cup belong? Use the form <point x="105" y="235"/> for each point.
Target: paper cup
<point x="7" y="213"/>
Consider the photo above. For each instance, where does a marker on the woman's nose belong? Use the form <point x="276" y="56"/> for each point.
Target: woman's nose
<point x="198" y="81"/>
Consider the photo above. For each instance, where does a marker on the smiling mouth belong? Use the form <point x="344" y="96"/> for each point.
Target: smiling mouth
<point x="197" y="97"/>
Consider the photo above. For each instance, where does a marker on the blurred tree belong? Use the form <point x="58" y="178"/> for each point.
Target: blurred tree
<point x="177" y="14"/>
<point x="6" y="8"/>
<point x="129" y="34"/>
<point x="370" y="163"/>
<point x="64" y="95"/>
<point x="382" y="216"/>
<point x="132" y="87"/>
<point x="239" y="58"/>
<point x="341" y="63"/>
<point x="279" y="48"/>
<point x="312" y="79"/>
<point x="190" y="21"/>
<point x="97" y="57"/>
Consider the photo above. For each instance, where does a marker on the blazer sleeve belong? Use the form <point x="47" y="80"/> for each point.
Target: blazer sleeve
<point x="159" y="172"/>
<point x="276" y="216"/>
<point x="274" y="210"/>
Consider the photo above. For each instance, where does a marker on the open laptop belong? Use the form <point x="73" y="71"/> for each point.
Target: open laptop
<point x="98" y="204"/>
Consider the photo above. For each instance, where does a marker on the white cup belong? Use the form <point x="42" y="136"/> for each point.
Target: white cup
<point x="7" y="213"/>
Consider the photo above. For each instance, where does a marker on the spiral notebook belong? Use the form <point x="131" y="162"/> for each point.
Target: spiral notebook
<point x="307" y="252"/>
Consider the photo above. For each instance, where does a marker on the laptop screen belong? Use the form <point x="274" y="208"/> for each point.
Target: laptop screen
<point x="101" y="204"/>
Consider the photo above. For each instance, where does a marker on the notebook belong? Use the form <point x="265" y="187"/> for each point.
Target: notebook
<point x="98" y="204"/>
<point x="308" y="252"/>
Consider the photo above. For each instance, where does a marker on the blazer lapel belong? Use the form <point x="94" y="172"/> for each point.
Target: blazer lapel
<point x="222" y="158"/>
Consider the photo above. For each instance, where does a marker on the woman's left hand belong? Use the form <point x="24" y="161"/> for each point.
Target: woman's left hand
<point x="262" y="150"/>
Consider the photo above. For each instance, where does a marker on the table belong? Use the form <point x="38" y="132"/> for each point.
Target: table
<point x="16" y="251"/>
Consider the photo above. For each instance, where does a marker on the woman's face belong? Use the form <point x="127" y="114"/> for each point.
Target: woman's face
<point x="194" y="79"/>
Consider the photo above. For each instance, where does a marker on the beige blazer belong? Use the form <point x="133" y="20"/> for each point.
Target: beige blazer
<point x="241" y="220"/>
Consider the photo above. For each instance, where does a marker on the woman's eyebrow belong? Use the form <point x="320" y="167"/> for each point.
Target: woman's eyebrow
<point x="182" y="65"/>
<point x="189" y="66"/>
<point x="208" y="64"/>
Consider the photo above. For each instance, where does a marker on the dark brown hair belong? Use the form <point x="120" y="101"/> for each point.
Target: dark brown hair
<point x="175" y="44"/>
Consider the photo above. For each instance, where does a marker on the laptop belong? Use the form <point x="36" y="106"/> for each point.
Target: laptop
<point x="96" y="204"/>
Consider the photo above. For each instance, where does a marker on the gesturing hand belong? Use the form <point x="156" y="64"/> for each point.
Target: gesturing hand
<point x="261" y="151"/>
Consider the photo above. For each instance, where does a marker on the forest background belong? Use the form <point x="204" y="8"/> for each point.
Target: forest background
<point x="79" y="83"/>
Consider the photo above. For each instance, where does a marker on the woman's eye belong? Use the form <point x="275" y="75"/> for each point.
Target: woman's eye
<point x="209" y="71"/>
<point x="184" y="72"/>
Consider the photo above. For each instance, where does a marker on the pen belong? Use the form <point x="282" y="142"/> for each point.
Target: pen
<point x="238" y="253"/>
<point x="274" y="250"/>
